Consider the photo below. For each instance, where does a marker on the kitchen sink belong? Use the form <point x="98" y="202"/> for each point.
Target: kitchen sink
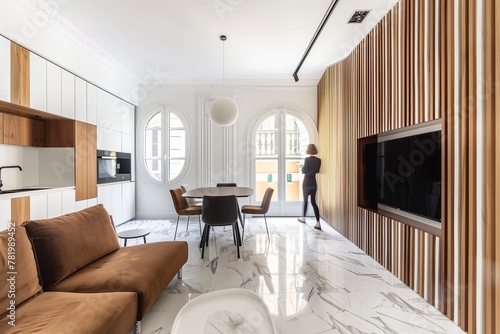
<point x="13" y="191"/>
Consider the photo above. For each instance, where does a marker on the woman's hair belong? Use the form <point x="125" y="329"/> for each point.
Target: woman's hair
<point x="311" y="149"/>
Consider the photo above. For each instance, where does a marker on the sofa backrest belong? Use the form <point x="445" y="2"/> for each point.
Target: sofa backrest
<point x="18" y="272"/>
<point x="67" y="243"/>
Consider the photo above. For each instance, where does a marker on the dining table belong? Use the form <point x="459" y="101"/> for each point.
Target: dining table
<point x="220" y="191"/>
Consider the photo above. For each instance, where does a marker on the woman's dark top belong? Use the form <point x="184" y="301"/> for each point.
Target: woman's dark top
<point x="311" y="167"/>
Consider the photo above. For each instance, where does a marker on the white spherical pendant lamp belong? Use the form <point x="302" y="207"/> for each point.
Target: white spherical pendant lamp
<point x="224" y="111"/>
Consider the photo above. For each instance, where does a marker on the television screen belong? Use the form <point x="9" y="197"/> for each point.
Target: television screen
<point x="408" y="174"/>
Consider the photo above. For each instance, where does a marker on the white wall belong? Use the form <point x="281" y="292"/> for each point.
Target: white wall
<point x="153" y="201"/>
<point x="42" y="32"/>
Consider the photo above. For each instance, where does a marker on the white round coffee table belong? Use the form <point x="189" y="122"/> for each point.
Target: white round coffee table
<point x="132" y="234"/>
<point x="225" y="311"/>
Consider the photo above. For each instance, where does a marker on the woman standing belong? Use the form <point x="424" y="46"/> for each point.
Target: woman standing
<point x="311" y="167"/>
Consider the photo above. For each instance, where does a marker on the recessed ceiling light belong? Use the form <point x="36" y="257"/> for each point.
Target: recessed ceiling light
<point x="358" y="16"/>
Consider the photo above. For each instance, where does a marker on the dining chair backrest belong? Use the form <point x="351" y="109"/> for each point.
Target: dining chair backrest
<point x="227" y="185"/>
<point x="180" y="202"/>
<point x="219" y="210"/>
<point x="266" y="200"/>
<point x="190" y="201"/>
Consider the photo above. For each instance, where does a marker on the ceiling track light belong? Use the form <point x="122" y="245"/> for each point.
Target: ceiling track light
<point x="315" y="37"/>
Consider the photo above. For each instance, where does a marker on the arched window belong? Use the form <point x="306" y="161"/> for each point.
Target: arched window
<point x="165" y="144"/>
<point x="281" y="139"/>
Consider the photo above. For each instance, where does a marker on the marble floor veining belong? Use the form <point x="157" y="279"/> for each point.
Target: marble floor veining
<point x="312" y="281"/>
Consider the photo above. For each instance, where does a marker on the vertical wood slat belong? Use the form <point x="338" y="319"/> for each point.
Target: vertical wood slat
<point x="420" y="60"/>
<point x="468" y="175"/>
<point x="431" y="28"/>
<point x="19" y="75"/>
<point x="446" y="102"/>
<point x="492" y="161"/>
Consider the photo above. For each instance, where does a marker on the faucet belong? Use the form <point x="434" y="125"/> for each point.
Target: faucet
<point x="1" y="183"/>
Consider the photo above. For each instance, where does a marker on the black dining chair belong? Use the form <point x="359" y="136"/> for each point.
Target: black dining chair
<point x="220" y="211"/>
<point x="227" y="185"/>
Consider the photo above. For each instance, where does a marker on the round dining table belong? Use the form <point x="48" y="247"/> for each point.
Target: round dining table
<point x="218" y="191"/>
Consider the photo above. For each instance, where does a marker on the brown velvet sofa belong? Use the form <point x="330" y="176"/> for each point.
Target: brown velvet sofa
<point x="72" y="276"/>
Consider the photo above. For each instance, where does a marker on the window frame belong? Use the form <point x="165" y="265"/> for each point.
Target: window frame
<point x="165" y="159"/>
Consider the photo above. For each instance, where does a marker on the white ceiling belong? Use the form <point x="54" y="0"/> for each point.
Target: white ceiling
<point x="266" y="39"/>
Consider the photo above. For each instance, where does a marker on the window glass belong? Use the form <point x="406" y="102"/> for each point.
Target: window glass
<point x="165" y="139"/>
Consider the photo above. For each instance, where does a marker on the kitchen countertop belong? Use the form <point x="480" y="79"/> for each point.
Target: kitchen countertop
<point x="35" y="190"/>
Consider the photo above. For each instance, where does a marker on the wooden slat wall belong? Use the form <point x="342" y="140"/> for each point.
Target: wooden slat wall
<point x="492" y="163"/>
<point x="19" y="75"/>
<point x="409" y="70"/>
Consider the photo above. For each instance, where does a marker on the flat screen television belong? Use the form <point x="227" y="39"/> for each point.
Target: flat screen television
<point x="404" y="173"/>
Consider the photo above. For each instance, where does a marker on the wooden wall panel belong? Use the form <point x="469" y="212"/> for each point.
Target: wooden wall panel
<point x="492" y="163"/>
<point x="403" y="73"/>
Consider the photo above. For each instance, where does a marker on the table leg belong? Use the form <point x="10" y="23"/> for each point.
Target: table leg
<point x="125" y="245"/>
<point x="144" y="238"/>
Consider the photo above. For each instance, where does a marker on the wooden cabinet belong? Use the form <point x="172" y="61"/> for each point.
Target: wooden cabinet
<point x="37" y="82"/>
<point x="85" y="161"/>
<point x="1" y="128"/>
<point x="4" y="69"/>
<point x="59" y="133"/>
<point x="22" y="131"/>
<point x="19" y="75"/>
<point x="5" y="215"/>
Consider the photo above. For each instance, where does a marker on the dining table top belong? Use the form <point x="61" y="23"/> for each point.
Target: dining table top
<point x="218" y="191"/>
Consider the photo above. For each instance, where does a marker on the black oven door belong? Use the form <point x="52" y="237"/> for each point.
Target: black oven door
<point x="106" y="169"/>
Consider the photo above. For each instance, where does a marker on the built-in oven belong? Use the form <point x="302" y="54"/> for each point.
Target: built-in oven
<point x="113" y="166"/>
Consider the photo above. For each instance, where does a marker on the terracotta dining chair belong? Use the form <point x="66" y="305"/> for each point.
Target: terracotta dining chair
<point x="258" y="209"/>
<point x="183" y="209"/>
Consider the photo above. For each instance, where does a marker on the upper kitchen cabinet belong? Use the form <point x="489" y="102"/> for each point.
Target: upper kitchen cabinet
<point x="80" y="100"/>
<point x="109" y="111"/>
<point x="19" y="75"/>
<point x="37" y="82"/>
<point x="68" y="94"/>
<point x="4" y="69"/>
<point x="91" y="104"/>
<point x="128" y="118"/>
<point x="54" y="89"/>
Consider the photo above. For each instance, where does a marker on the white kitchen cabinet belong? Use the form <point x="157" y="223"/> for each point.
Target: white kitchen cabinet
<point x="127" y="143"/>
<point x="91" y="104"/>
<point x="108" y="139"/>
<point x="128" y="201"/>
<point x="110" y="195"/>
<point x="80" y="100"/>
<point x="54" y="89"/>
<point x="5" y="213"/>
<point x="128" y="117"/>
<point x="109" y="111"/>
<point x="54" y="204"/>
<point x="68" y="94"/>
<point x="38" y="82"/>
<point x="68" y="203"/>
<point x="38" y="206"/>
<point x="4" y="69"/>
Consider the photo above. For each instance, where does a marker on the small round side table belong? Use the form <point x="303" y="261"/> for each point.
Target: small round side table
<point x="132" y="234"/>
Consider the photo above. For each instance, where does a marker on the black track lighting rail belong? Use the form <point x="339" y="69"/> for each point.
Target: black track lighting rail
<point x="315" y="37"/>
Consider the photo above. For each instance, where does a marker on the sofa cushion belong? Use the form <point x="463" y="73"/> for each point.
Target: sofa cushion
<point x="67" y="243"/>
<point x="145" y="269"/>
<point x="21" y="271"/>
<point x="61" y="312"/>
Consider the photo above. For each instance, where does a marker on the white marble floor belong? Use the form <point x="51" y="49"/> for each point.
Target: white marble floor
<point x="312" y="281"/>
